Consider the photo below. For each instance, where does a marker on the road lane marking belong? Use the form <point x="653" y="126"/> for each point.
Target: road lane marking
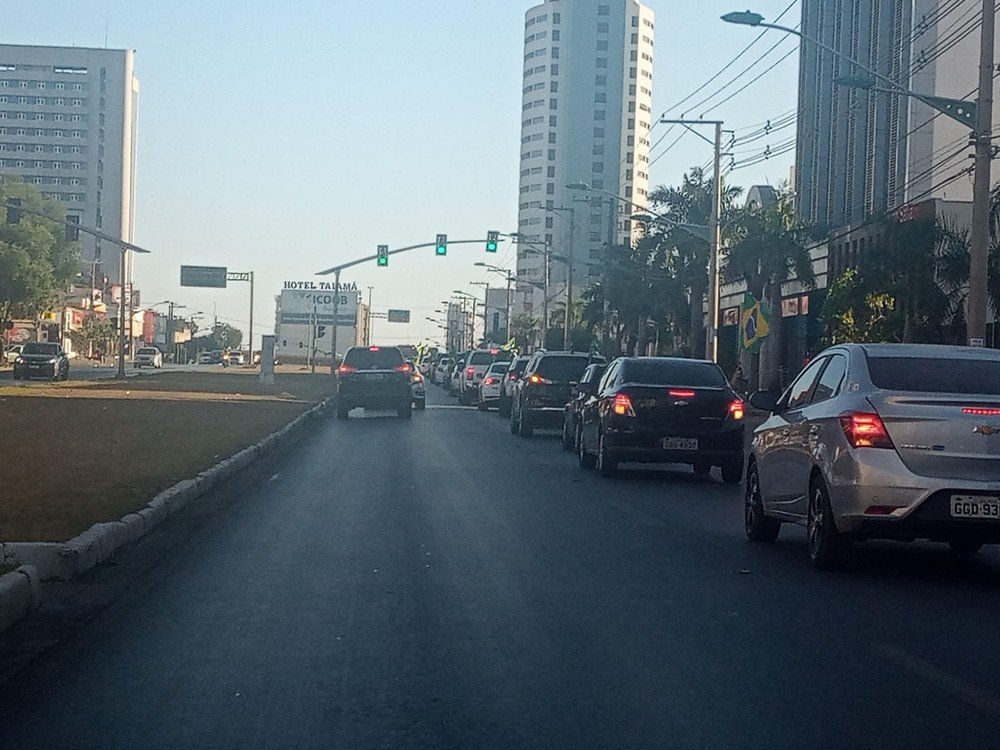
<point x="449" y="406"/>
<point x="978" y="698"/>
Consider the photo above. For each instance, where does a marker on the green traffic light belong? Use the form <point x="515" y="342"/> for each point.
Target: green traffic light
<point x="491" y="247"/>
<point x="383" y="260"/>
<point x="441" y="250"/>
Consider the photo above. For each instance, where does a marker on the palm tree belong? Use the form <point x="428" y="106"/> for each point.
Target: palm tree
<point x="766" y="246"/>
<point x="684" y="251"/>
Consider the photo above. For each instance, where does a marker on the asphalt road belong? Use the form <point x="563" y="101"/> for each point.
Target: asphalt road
<point x="440" y="583"/>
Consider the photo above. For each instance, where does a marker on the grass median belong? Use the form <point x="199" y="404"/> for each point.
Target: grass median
<point x="77" y="453"/>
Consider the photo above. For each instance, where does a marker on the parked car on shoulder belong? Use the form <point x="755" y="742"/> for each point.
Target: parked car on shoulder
<point x="580" y="395"/>
<point x="663" y="410"/>
<point x="880" y="441"/>
<point x="148" y="356"/>
<point x="542" y="392"/>
<point x="41" y="360"/>
<point x="489" y="386"/>
<point x="205" y="358"/>
<point x="508" y="382"/>
<point x="237" y="358"/>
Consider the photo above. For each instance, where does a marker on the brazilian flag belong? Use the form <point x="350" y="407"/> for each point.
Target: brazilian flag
<point x="754" y="322"/>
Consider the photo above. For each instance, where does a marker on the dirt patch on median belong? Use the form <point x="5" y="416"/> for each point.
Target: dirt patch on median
<point x="79" y="453"/>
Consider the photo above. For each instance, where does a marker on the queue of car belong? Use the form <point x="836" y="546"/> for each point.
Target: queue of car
<point x="870" y="441"/>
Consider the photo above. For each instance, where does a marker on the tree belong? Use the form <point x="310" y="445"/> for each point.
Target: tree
<point x="852" y="312"/>
<point x="683" y="250"/>
<point x="524" y="328"/>
<point x="766" y="246"/>
<point x="226" y="336"/>
<point x="95" y="335"/>
<point x="36" y="259"/>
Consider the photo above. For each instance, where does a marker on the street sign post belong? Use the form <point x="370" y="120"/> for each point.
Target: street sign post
<point x="399" y="316"/>
<point x="204" y="276"/>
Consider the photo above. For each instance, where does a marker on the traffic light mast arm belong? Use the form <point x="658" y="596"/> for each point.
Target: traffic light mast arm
<point x="369" y="258"/>
<point x="86" y="230"/>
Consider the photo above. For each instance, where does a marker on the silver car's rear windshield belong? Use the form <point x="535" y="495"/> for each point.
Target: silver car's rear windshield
<point x="930" y="375"/>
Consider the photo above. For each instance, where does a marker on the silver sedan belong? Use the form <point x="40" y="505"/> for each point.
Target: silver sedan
<point x="888" y="441"/>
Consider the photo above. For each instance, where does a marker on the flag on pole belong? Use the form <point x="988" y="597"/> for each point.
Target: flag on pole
<point x="754" y="322"/>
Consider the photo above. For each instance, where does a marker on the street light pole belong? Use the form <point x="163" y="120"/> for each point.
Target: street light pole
<point x="715" y="223"/>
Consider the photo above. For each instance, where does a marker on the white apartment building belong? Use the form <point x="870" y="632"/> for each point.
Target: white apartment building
<point x="68" y="126"/>
<point x="585" y="118"/>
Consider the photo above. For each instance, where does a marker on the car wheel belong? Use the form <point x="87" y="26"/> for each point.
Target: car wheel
<point x="732" y="472"/>
<point x="421" y="404"/>
<point x="701" y="469"/>
<point x="583" y="458"/>
<point x="513" y="421"/>
<point x="481" y="405"/>
<point x="826" y="544"/>
<point x="342" y="412"/>
<point x="606" y="465"/>
<point x="965" y="547"/>
<point x="567" y="440"/>
<point x="759" y="527"/>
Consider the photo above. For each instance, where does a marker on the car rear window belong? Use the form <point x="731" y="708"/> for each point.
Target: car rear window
<point x="149" y="351"/>
<point x="378" y="358"/>
<point x="674" y="372"/>
<point x="519" y="364"/>
<point x="934" y="375"/>
<point x="50" y="349"/>
<point x="480" y="358"/>
<point x="562" y="367"/>
<point x="499" y="367"/>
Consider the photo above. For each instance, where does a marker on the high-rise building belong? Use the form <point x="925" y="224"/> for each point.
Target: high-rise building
<point x="68" y="126"/>
<point x="862" y="152"/>
<point x="585" y="118"/>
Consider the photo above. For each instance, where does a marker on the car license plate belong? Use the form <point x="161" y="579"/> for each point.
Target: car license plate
<point x="680" y="444"/>
<point x="975" y="506"/>
<point x="34" y="367"/>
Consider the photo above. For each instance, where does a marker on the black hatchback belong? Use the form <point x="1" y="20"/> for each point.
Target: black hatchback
<point x="41" y="360"/>
<point x="375" y="377"/>
<point x="664" y="410"/>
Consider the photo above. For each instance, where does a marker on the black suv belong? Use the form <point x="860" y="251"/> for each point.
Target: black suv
<point x="579" y="397"/>
<point x="375" y="377"/>
<point x="541" y="394"/>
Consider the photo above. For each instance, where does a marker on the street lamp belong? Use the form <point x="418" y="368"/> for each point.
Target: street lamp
<point x="510" y="279"/>
<point x="977" y="115"/>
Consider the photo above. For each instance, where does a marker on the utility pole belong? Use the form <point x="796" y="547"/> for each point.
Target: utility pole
<point x="545" y="298"/>
<point x="979" y="239"/>
<point x="170" y="330"/>
<point x="568" y="324"/>
<point x="715" y="245"/>
<point x="336" y="320"/>
<point x="369" y="316"/>
<point x="250" y="337"/>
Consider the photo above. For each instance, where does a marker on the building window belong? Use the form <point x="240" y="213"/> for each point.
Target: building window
<point x="598" y="166"/>
<point x="552" y="154"/>
<point x="556" y="18"/>
<point x="602" y="62"/>
<point x="551" y="173"/>
<point x="39" y="149"/>
<point x="602" y="45"/>
<point x="603" y="10"/>
<point x="39" y="100"/>
<point x="553" y="104"/>
<point x="554" y="87"/>
<point x="552" y="121"/>
<point x="601" y="81"/>
<point x="602" y="28"/>
<point x="57" y="149"/>
<point x="598" y="132"/>
<point x="548" y="222"/>
<point x="555" y="53"/>
<point x="552" y="137"/>
<point x="598" y="149"/>
<point x="57" y="118"/>
<point x="635" y="22"/>
<point x="555" y="69"/>
<point x="60" y="86"/>
<point x="599" y="114"/>
<point x="597" y="184"/>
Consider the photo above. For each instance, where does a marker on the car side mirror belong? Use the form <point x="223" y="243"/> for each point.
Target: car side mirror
<point x="764" y="400"/>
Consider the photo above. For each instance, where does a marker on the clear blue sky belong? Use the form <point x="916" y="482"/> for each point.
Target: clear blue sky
<point x="286" y="137"/>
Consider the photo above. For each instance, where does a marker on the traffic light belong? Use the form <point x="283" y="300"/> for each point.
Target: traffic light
<point x="72" y="227"/>
<point x="13" y="210"/>
<point x="320" y="331"/>
<point x="442" y="245"/>
<point x="383" y="255"/>
<point x="492" y="239"/>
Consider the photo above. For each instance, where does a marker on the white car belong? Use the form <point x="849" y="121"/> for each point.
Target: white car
<point x="474" y="370"/>
<point x="489" y="387"/>
<point x="442" y="371"/>
<point x="237" y="358"/>
<point x="11" y="353"/>
<point x="149" y="356"/>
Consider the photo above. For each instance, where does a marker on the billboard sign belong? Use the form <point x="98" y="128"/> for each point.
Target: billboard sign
<point x="399" y="316"/>
<point x="204" y="276"/>
<point x="302" y="307"/>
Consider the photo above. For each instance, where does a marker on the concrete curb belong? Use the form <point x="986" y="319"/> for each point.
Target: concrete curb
<point x="44" y="561"/>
